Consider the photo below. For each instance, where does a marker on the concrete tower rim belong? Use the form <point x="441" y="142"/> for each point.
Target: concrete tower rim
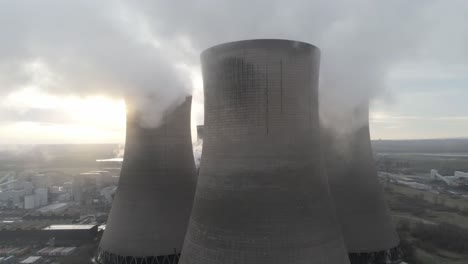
<point x="248" y="43"/>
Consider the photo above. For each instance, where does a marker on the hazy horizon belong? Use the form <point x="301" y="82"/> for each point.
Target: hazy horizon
<point x="67" y="67"/>
<point x="123" y="142"/>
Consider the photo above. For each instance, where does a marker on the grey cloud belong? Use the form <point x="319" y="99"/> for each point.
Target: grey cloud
<point x="87" y="47"/>
<point x="34" y="115"/>
<point x="361" y="41"/>
<point x="107" y="46"/>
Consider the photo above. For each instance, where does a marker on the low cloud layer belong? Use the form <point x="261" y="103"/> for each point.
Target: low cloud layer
<point x="147" y="51"/>
<point x="87" y="48"/>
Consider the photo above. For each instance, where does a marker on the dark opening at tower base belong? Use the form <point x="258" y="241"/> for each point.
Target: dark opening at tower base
<point x="390" y="256"/>
<point x="104" y="257"/>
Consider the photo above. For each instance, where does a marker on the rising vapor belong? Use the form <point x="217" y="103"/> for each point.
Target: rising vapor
<point x="147" y="51"/>
<point x="88" y="48"/>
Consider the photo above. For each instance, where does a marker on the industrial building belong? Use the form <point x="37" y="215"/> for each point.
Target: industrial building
<point x="458" y="179"/>
<point x="13" y="251"/>
<point x="261" y="197"/>
<point x="32" y="260"/>
<point x="86" y="187"/>
<point x="38" y="199"/>
<point x="19" y="193"/>
<point x="152" y="204"/>
<point x="40" y="180"/>
<point x="39" y="232"/>
<point x="56" y="251"/>
<point x="367" y="227"/>
<point x="8" y="260"/>
<point x="53" y="208"/>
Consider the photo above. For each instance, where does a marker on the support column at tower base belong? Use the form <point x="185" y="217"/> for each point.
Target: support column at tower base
<point x="390" y="256"/>
<point x="104" y="257"/>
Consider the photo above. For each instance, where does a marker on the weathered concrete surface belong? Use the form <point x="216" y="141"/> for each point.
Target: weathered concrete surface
<point x="260" y="197"/>
<point x="152" y="205"/>
<point x="359" y="201"/>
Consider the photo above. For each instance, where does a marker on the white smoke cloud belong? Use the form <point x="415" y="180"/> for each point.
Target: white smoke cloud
<point x="197" y="151"/>
<point x="147" y="50"/>
<point x="361" y="41"/>
<point x="119" y="151"/>
<point x="89" y="47"/>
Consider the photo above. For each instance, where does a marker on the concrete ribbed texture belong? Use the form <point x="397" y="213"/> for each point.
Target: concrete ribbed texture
<point x="260" y="197"/>
<point x="152" y="205"/>
<point x="359" y="201"/>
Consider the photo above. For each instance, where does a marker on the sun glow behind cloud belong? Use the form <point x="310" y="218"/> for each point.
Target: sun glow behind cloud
<point x="74" y="119"/>
<point x="94" y="119"/>
<point x="131" y="47"/>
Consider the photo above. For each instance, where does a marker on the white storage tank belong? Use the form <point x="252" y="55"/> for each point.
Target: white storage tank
<point x="30" y="202"/>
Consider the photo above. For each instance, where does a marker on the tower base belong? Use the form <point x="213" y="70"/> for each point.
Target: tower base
<point x="104" y="257"/>
<point x="390" y="256"/>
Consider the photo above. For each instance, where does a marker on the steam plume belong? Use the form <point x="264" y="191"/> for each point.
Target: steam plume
<point x="136" y="48"/>
<point x="89" y="47"/>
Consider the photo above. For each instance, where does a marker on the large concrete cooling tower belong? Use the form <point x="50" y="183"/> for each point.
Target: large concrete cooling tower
<point x="260" y="197"/>
<point x="150" y="213"/>
<point x="366" y="224"/>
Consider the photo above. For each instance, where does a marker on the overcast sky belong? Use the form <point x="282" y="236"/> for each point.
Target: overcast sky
<point x="66" y="66"/>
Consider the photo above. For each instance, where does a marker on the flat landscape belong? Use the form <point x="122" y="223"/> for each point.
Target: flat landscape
<point x="432" y="223"/>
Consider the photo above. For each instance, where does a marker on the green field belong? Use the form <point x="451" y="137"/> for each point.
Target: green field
<point x="414" y="207"/>
<point x="447" y="200"/>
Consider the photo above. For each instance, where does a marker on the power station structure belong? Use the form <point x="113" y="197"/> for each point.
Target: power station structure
<point x="260" y="196"/>
<point x="152" y="205"/>
<point x="366" y="224"/>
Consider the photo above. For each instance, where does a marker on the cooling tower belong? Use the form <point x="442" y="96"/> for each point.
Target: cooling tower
<point x="367" y="227"/>
<point x="151" y="209"/>
<point x="260" y="197"/>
